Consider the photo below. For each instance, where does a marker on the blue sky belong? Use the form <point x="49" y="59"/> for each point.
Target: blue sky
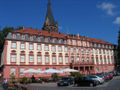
<point x="92" y="18"/>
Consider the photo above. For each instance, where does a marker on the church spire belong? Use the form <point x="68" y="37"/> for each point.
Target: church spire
<point x="50" y="24"/>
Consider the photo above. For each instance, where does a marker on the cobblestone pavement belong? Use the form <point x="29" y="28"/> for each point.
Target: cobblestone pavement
<point x="114" y="84"/>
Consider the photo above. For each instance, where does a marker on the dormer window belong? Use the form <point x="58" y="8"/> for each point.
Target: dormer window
<point x="14" y="36"/>
<point x="22" y="37"/>
<point x="46" y="39"/>
<point x="31" y="38"/>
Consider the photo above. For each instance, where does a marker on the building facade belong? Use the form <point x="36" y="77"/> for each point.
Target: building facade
<point x="42" y="49"/>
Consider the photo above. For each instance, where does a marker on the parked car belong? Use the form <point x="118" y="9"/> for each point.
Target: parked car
<point x="65" y="81"/>
<point x="106" y="77"/>
<point x="97" y="78"/>
<point x="85" y="81"/>
<point x="102" y="76"/>
<point x="110" y="75"/>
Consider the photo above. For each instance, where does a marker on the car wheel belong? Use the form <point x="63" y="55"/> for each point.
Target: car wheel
<point x="68" y="84"/>
<point x="91" y="85"/>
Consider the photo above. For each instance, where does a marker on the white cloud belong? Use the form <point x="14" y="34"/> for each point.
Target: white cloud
<point x="108" y="7"/>
<point x="117" y="21"/>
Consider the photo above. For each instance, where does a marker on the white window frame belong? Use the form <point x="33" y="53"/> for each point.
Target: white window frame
<point x="38" y="47"/>
<point x="13" y="44"/>
<point x="53" y="48"/>
<point x="22" y="45"/>
<point x="31" y="46"/>
<point x="12" y="71"/>
<point x="21" y="70"/>
<point x="46" y="48"/>
<point x="13" y="58"/>
<point x="60" y="59"/>
<point x="22" y="58"/>
<point x="54" y="59"/>
<point x="31" y="58"/>
<point x="39" y="59"/>
<point x="66" y="59"/>
<point x="46" y="59"/>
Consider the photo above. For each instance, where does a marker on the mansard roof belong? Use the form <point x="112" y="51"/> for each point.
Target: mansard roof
<point x="37" y="32"/>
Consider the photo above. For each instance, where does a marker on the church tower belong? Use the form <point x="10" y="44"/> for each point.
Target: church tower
<point x="50" y="24"/>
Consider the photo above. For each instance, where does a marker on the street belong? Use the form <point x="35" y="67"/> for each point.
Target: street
<point x="114" y="84"/>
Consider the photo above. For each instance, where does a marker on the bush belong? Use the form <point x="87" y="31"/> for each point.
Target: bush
<point x="55" y="77"/>
<point x="13" y="78"/>
<point x="76" y="74"/>
<point x="24" y="80"/>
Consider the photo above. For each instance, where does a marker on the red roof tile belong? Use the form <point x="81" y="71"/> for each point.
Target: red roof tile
<point x="55" y="34"/>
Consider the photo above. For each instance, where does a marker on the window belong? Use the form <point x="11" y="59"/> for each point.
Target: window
<point x="13" y="58"/>
<point x="66" y="49"/>
<point x="77" y="50"/>
<point x="97" y="60"/>
<point x="60" y="59"/>
<point x="71" y="49"/>
<point x="86" y="50"/>
<point x="47" y="68"/>
<point x="59" y="48"/>
<point x="54" y="59"/>
<point x="87" y="59"/>
<point x="46" y="39"/>
<point x="31" y="46"/>
<point x="22" y="57"/>
<point x="72" y="59"/>
<point x="91" y="51"/>
<point x="61" y="68"/>
<point x="38" y="47"/>
<point x="22" y="36"/>
<point x="105" y="67"/>
<point x="53" y="48"/>
<point x="102" y="69"/>
<point x="46" y="47"/>
<point x="31" y="38"/>
<point x="14" y="36"/>
<point x="12" y="71"/>
<point x="22" y="45"/>
<point x="31" y="59"/>
<point x="21" y="70"/>
<point x="97" y="69"/>
<point x="39" y="58"/>
<point x="46" y="59"/>
<point x="93" y="60"/>
<point x="13" y="44"/>
<point x="82" y="59"/>
<point x="78" y="59"/>
<point x="66" y="59"/>
<point x="82" y="50"/>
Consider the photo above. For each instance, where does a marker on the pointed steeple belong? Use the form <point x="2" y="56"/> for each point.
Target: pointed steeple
<point x="50" y="24"/>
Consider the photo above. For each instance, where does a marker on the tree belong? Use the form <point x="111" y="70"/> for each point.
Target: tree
<point x="118" y="49"/>
<point x="3" y="34"/>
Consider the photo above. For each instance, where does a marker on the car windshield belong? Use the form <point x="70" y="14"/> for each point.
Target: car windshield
<point x="65" y="79"/>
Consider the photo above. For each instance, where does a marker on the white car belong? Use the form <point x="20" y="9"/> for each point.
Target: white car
<point x="97" y="78"/>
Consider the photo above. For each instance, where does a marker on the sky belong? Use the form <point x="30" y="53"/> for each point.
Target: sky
<point x="91" y="18"/>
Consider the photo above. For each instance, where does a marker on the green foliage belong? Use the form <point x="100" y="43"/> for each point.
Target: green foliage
<point x="54" y="77"/>
<point x="12" y="76"/>
<point x="24" y="80"/>
<point x="76" y="74"/>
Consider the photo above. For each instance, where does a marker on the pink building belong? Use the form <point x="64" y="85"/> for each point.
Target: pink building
<point x="47" y="48"/>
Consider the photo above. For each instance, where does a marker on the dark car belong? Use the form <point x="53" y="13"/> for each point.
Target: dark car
<point x="85" y="81"/>
<point x="65" y="81"/>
